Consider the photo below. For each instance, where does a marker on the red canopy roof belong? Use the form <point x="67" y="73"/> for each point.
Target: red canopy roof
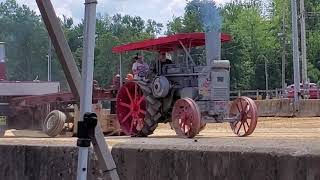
<point x="168" y="43"/>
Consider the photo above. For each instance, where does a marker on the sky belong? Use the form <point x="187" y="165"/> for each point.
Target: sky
<point x="160" y="10"/>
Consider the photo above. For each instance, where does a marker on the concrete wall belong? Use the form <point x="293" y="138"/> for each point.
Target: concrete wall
<point x="275" y="107"/>
<point x="285" y="108"/>
<point x="309" y="108"/>
<point x="37" y="162"/>
<point x="19" y="162"/>
<point x="161" y="162"/>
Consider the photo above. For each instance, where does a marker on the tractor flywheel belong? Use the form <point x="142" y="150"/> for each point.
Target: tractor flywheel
<point x="245" y="109"/>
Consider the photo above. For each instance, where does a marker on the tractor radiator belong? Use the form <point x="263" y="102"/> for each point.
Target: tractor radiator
<point x="220" y="94"/>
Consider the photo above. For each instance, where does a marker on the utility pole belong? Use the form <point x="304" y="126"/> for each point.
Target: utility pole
<point x="303" y="45"/>
<point x="49" y="59"/>
<point x="267" y="76"/>
<point x="295" y="48"/>
<point x="49" y="56"/>
<point x="303" y="41"/>
<point x="120" y="69"/>
<point x="284" y="39"/>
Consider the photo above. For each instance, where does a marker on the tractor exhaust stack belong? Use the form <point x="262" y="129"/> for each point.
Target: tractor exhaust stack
<point x="213" y="46"/>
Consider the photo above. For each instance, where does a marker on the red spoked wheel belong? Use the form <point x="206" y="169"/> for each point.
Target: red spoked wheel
<point x="245" y="109"/>
<point x="131" y="108"/>
<point x="202" y="124"/>
<point x="186" y="118"/>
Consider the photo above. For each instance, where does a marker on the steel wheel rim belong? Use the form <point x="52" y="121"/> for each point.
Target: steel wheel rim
<point x="202" y="124"/>
<point x="186" y="118"/>
<point x="51" y="122"/>
<point x="246" y="109"/>
<point x="131" y="108"/>
<point x="255" y="110"/>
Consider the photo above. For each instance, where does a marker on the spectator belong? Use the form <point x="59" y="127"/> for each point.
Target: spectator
<point x="129" y="77"/>
<point x="116" y="81"/>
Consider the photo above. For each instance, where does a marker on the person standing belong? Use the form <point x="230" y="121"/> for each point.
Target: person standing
<point x="116" y="81"/>
<point x="140" y="69"/>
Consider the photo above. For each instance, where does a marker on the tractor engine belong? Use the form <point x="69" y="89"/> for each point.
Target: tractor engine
<point x="208" y="85"/>
<point x="214" y="90"/>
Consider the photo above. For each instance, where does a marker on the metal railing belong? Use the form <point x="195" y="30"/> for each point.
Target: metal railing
<point x="263" y="94"/>
<point x="257" y="94"/>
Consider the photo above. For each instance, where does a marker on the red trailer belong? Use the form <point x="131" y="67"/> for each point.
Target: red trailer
<point x="40" y="105"/>
<point x="52" y="112"/>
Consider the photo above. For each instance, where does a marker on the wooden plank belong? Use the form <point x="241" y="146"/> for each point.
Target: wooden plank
<point x="25" y="133"/>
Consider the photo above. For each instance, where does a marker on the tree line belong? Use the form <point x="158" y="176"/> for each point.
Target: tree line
<point x="260" y="30"/>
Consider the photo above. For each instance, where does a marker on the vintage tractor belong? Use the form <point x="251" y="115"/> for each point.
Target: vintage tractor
<point x="183" y="93"/>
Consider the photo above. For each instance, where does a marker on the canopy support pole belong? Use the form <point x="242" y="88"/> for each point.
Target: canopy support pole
<point x="120" y="73"/>
<point x="187" y="52"/>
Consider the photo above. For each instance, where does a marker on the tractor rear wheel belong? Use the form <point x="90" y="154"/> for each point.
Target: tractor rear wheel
<point x="138" y="111"/>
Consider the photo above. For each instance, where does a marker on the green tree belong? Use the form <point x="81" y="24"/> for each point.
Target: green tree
<point x="313" y="39"/>
<point x="26" y="39"/>
<point x="110" y="32"/>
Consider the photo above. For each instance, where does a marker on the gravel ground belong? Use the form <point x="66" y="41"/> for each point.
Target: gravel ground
<point x="280" y="135"/>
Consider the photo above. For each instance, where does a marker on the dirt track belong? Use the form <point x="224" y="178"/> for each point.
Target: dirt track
<point x="291" y="132"/>
<point x="280" y="148"/>
<point x="279" y="128"/>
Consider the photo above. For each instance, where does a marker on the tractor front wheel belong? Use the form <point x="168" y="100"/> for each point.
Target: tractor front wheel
<point x="186" y="118"/>
<point x="245" y="110"/>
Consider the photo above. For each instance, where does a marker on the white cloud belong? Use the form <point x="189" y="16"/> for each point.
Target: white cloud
<point x="159" y="10"/>
<point x="174" y="8"/>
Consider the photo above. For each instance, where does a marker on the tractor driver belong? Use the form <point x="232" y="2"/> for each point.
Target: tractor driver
<point x="140" y="69"/>
<point x="163" y="61"/>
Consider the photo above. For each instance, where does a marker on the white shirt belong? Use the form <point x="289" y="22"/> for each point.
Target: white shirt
<point x="140" y="70"/>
